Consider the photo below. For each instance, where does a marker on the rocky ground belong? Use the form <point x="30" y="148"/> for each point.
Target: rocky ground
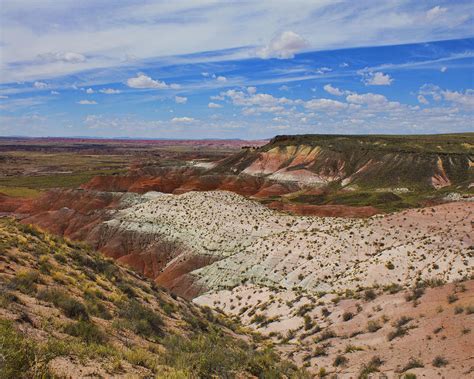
<point x="426" y="331"/>
<point x="252" y="243"/>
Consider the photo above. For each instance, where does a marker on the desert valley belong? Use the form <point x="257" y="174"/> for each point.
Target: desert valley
<point x="340" y="259"/>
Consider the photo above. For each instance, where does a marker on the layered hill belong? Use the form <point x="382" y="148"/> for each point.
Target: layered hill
<point x="66" y="311"/>
<point x="324" y="174"/>
<point x="413" y="162"/>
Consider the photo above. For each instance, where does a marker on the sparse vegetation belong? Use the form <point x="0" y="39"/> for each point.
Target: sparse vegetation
<point x="440" y="361"/>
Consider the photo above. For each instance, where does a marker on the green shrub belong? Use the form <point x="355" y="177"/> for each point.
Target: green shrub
<point x="440" y="361"/>
<point x="97" y="308"/>
<point x="325" y="335"/>
<point x="346" y="316"/>
<point x="373" y="326"/>
<point x="370" y="294"/>
<point x="452" y="298"/>
<point x="71" y="307"/>
<point x="141" y="319"/>
<point x="20" y="358"/>
<point x="351" y="348"/>
<point x="87" y="331"/>
<point x="415" y="294"/>
<point x="215" y="355"/>
<point x="340" y="360"/>
<point x="412" y="363"/>
<point x="25" y="281"/>
<point x="370" y="367"/>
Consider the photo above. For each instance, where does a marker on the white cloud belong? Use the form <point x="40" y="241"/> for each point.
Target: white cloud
<point x="333" y="90"/>
<point x="180" y="99"/>
<point x="221" y="79"/>
<point x="251" y="90"/>
<point x="423" y="100"/>
<point x="205" y="74"/>
<point x="283" y="46"/>
<point x="443" y="69"/>
<point x="431" y="90"/>
<point x="378" y="79"/>
<point x="90" y="91"/>
<point x="464" y="99"/>
<point x="110" y="91"/>
<point x="325" y="105"/>
<point x="67" y="57"/>
<point x="54" y="93"/>
<point x="323" y="70"/>
<point x="87" y="102"/>
<point x="29" y="30"/>
<point x="40" y="85"/>
<point x="366" y="98"/>
<point x="217" y="97"/>
<point x="284" y="88"/>
<point x="344" y="64"/>
<point x="142" y="81"/>
<point x="214" y="105"/>
<point x="435" y="12"/>
<point x="3" y="97"/>
<point x="182" y="119"/>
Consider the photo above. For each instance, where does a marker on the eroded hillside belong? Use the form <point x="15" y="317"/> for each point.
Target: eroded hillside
<point x="66" y="311"/>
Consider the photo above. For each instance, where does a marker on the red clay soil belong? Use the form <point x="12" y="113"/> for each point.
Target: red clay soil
<point x="324" y="210"/>
<point x="79" y="214"/>
<point x="179" y="180"/>
<point x="13" y="204"/>
<point x="178" y="279"/>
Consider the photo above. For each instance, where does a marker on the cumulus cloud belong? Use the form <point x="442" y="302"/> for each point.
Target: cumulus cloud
<point x="283" y="46"/>
<point x="325" y="105"/>
<point x="40" y="85"/>
<point x="431" y="90"/>
<point x="333" y="90"/>
<point x="54" y="93"/>
<point x="217" y="97"/>
<point x="110" y="91"/>
<point x="464" y="99"/>
<point x="251" y="90"/>
<point x="443" y="69"/>
<point x="366" y="98"/>
<point x="422" y="99"/>
<point x="377" y="79"/>
<point x="182" y="119"/>
<point x="87" y="102"/>
<point x="221" y="79"/>
<point x="90" y="91"/>
<point x="180" y="99"/>
<point x="66" y="57"/>
<point x="143" y="81"/>
<point x="435" y="12"/>
<point x="214" y="105"/>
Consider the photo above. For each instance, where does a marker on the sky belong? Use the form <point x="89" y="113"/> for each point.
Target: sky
<point x="235" y="69"/>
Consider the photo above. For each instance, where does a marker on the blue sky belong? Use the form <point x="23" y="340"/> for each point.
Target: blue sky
<point x="235" y="69"/>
